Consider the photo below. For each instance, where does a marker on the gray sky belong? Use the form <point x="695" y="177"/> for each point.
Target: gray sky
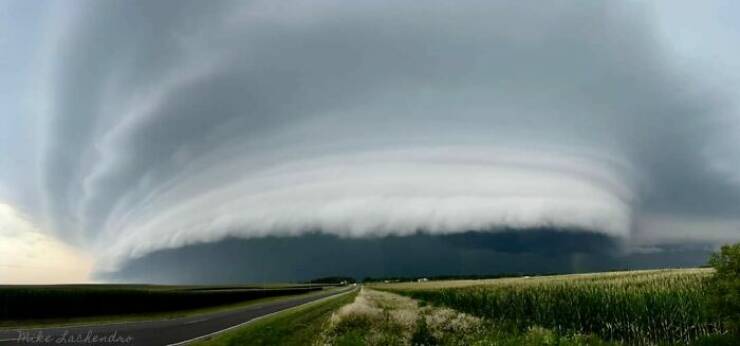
<point x="138" y="126"/>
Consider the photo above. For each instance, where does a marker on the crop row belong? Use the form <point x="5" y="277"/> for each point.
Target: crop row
<point x="637" y="308"/>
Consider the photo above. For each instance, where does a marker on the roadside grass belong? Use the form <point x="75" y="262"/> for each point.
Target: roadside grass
<point x="373" y="318"/>
<point x="148" y="316"/>
<point x="299" y="326"/>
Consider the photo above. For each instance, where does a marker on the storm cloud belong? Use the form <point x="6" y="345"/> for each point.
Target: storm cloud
<point x="313" y="255"/>
<point x="164" y="124"/>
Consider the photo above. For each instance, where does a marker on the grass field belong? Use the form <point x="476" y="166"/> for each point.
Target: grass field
<point x="300" y="326"/>
<point x="23" y="305"/>
<point x="637" y="307"/>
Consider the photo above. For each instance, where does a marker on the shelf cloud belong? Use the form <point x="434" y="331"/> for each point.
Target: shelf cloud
<point x="159" y="125"/>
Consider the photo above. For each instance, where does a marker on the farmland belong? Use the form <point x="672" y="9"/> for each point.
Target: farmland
<point x="378" y="318"/>
<point x="649" y="307"/>
<point x="637" y="307"/>
<point x="39" y="303"/>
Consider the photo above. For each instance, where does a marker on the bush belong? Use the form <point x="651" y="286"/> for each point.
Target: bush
<point x="724" y="288"/>
<point x="423" y="336"/>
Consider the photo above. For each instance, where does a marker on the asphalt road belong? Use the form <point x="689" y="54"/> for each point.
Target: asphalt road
<point x="157" y="332"/>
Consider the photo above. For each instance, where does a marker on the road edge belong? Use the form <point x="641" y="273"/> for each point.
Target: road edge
<point x="212" y="334"/>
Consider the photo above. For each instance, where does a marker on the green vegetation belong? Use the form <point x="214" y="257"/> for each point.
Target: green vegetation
<point x="299" y="326"/>
<point x="378" y="318"/>
<point x="373" y="318"/>
<point x="33" y="303"/>
<point x="724" y="288"/>
<point x="641" y="307"/>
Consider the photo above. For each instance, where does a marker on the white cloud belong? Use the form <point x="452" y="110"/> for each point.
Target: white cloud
<point x="435" y="190"/>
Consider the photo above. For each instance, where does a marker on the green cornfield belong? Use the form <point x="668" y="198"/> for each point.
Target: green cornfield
<point x="640" y="307"/>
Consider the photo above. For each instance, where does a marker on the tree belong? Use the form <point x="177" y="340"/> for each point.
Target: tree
<point x="724" y="287"/>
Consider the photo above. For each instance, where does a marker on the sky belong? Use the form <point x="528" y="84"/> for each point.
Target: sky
<point x="136" y="136"/>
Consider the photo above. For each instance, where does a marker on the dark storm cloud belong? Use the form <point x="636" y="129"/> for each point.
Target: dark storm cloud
<point x="173" y="123"/>
<point x="276" y="259"/>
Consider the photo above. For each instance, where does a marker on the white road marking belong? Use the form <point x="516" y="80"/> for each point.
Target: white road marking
<point x="196" y="321"/>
